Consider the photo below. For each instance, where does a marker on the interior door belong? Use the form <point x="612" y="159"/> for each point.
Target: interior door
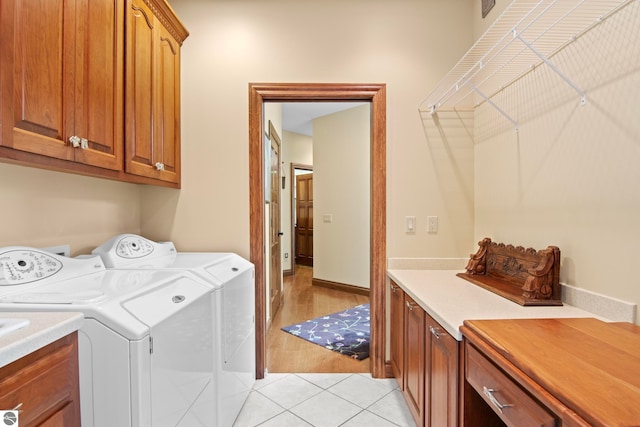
<point x="304" y="220"/>
<point x="275" y="281"/>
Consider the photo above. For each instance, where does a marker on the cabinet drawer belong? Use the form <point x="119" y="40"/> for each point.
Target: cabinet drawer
<point x="41" y="383"/>
<point x="512" y="404"/>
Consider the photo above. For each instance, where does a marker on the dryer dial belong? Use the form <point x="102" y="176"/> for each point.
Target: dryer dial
<point x="133" y="247"/>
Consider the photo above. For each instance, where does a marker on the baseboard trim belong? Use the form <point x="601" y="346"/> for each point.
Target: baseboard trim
<point x="340" y="287"/>
<point x="287" y="272"/>
<point x="388" y="372"/>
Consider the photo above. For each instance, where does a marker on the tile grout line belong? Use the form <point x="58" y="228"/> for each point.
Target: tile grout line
<point x="322" y="389"/>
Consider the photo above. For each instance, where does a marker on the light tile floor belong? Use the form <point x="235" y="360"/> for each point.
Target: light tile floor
<point x="324" y="400"/>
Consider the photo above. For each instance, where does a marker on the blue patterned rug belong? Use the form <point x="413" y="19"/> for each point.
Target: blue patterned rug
<point x="346" y="332"/>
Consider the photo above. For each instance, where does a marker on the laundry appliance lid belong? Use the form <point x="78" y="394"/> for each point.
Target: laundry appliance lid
<point x="100" y="295"/>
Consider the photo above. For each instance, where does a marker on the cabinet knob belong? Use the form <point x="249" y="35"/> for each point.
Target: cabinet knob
<point x="75" y="141"/>
<point x="84" y="143"/>
<point x="410" y="305"/>
<point x="159" y="166"/>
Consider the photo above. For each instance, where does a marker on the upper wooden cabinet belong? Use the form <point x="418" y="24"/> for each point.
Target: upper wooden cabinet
<point x="62" y="79"/>
<point x="152" y="85"/>
<point x="66" y="68"/>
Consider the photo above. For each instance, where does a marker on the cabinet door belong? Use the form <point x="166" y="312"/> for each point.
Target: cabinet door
<point x="442" y="389"/>
<point x="45" y="385"/>
<point x="99" y="82"/>
<point x="153" y="97"/>
<point x="414" y="359"/>
<point x="396" y="333"/>
<point x="62" y="74"/>
<point x="38" y="54"/>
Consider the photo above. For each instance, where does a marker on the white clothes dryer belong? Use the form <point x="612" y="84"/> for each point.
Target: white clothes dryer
<point x="232" y="279"/>
<point x="145" y="346"/>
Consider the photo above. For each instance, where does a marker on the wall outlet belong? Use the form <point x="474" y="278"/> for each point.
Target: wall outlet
<point x="327" y="218"/>
<point x="64" y="250"/>
<point x="432" y="224"/>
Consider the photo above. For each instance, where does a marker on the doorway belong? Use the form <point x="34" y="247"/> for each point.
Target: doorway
<point x="302" y="216"/>
<point x="376" y="95"/>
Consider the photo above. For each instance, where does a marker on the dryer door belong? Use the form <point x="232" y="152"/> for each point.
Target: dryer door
<point x="180" y="318"/>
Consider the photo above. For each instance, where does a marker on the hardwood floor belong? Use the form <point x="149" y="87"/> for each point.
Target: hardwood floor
<point x="289" y="354"/>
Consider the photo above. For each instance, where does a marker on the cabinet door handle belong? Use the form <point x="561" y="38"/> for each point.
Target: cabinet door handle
<point x="434" y="332"/>
<point x="393" y="289"/>
<point x="84" y="143"/>
<point x="159" y="166"/>
<point x="74" y="140"/>
<point x="489" y="393"/>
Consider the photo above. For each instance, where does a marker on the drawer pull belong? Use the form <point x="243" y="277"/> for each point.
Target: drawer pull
<point x="434" y="332"/>
<point x="489" y="393"/>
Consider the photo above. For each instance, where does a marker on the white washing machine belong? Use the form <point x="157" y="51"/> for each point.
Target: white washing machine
<point x="232" y="279"/>
<point x="145" y="346"/>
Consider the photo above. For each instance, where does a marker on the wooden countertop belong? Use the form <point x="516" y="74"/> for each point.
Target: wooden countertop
<point x="590" y="366"/>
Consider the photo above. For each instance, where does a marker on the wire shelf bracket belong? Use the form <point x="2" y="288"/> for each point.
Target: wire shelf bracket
<point x="493" y="104"/>
<point x="583" y="97"/>
<point x="542" y="28"/>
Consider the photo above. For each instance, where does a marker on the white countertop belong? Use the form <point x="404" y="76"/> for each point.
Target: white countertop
<point x="450" y="300"/>
<point x="44" y="328"/>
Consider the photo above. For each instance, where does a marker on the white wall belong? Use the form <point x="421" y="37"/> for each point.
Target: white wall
<point x="570" y="176"/>
<point x="44" y="208"/>
<point x="342" y="189"/>
<point x="297" y="149"/>
<point x="235" y="42"/>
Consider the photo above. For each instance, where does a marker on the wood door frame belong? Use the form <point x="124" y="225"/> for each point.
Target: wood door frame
<point x="315" y="92"/>
<point x="294" y="166"/>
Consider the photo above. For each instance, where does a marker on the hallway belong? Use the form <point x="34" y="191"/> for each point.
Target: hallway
<point x="302" y="301"/>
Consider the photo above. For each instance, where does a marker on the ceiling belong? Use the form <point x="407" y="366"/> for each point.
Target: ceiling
<point x="297" y="117"/>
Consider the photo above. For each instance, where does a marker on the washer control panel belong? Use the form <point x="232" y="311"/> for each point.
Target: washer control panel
<point x="126" y="250"/>
<point x="21" y="265"/>
<point x="26" y="266"/>
<point x="133" y="247"/>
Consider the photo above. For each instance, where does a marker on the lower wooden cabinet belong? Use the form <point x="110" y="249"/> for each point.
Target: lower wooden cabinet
<point x="442" y="386"/>
<point x="512" y="403"/>
<point x="44" y="385"/>
<point x="424" y="359"/>
<point x="396" y="327"/>
<point x="414" y="359"/>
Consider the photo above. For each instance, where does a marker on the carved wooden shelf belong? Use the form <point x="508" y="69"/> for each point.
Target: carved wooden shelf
<point x="525" y="276"/>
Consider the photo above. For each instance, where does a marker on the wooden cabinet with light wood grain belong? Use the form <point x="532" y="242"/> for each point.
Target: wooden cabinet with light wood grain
<point x="61" y="88"/>
<point x="424" y="361"/>
<point x="44" y="385"/>
<point x="92" y="88"/>
<point x="550" y="372"/>
<point x="152" y="86"/>
<point x="414" y="359"/>
<point x="441" y="387"/>
<point x="396" y="327"/>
